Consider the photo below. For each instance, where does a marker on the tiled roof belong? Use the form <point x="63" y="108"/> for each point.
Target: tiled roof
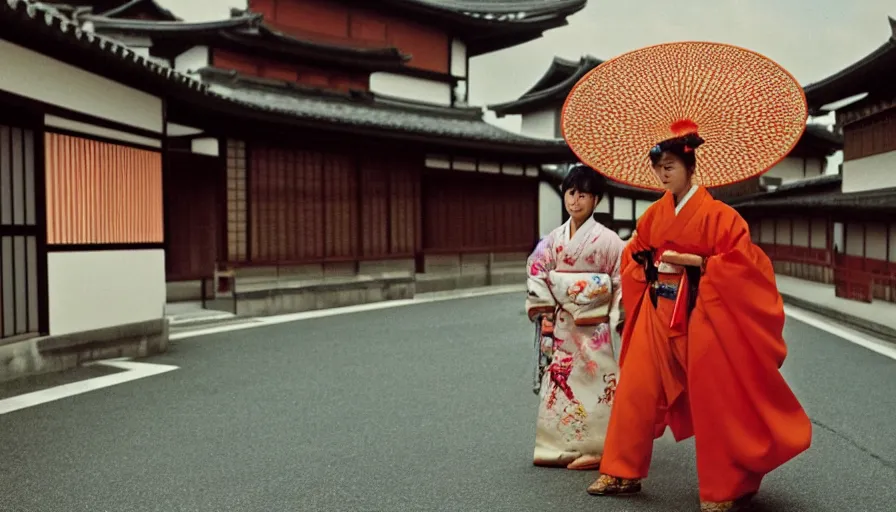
<point x="871" y="200"/>
<point x="503" y="10"/>
<point x="855" y="78"/>
<point x="552" y="88"/>
<point x="364" y="110"/>
<point x="30" y="18"/>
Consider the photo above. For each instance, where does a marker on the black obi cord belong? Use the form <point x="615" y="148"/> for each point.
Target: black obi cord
<point x="647" y="258"/>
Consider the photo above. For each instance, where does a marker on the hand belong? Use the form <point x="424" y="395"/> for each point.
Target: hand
<point x="677" y="258"/>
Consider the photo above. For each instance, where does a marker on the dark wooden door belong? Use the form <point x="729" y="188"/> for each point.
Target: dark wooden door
<point x="194" y="186"/>
<point x="23" y="291"/>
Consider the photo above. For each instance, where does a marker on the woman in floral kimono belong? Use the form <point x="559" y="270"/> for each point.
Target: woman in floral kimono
<point x="702" y="346"/>
<point x="574" y="281"/>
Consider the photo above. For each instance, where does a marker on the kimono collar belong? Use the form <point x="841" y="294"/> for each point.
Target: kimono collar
<point x="687" y="197"/>
<point x="567" y="227"/>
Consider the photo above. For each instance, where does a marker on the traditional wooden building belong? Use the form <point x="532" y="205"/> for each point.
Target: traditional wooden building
<point x="82" y="141"/>
<point x="539" y="110"/>
<point x="858" y="215"/>
<point x="331" y="158"/>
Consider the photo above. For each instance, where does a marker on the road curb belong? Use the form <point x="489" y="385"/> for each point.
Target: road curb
<point x="860" y="324"/>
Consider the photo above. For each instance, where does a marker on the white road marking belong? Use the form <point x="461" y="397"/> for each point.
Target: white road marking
<point x="135" y="371"/>
<point x="294" y="317"/>
<point x="861" y="339"/>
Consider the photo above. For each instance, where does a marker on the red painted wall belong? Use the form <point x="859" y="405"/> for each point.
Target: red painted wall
<point x="306" y="75"/>
<point x="338" y="23"/>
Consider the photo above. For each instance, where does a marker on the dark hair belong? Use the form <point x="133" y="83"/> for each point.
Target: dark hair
<point x="584" y="179"/>
<point x="683" y="147"/>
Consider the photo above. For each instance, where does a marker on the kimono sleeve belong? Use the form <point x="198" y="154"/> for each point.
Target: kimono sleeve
<point x="615" y="253"/>
<point x="738" y="286"/>
<point x="539" y="264"/>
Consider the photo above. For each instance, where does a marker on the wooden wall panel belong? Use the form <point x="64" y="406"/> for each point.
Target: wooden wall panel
<point x="341" y="207"/>
<point x="102" y="193"/>
<point x="304" y="74"/>
<point x="871" y="136"/>
<point x="405" y="209"/>
<point x="390" y="205"/>
<point x="303" y="206"/>
<point x="343" y="24"/>
<point x="193" y="201"/>
<point x="478" y="212"/>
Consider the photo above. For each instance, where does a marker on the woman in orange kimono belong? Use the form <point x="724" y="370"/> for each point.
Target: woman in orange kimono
<point x="702" y="345"/>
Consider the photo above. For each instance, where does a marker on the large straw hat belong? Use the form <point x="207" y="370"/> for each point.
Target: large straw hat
<point x="750" y="111"/>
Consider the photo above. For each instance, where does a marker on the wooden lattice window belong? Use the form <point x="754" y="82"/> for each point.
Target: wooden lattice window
<point x="236" y="201"/>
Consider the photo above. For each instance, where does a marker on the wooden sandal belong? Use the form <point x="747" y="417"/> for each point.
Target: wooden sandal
<point x="607" y="485"/>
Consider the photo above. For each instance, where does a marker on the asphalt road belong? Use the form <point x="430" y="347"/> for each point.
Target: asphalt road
<point x="419" y="408"/>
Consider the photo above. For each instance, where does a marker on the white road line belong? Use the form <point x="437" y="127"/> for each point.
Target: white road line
<point x="306" y="315"/>
<point x="135" y="371"/>
<point x="863" y="340"/>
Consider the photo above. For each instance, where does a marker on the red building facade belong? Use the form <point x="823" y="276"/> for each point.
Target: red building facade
<point x="856" y="215"/>
<point x="334" y="145"/>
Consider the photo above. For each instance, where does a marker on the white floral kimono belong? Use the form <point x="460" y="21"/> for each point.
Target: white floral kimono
<point x="578" y="280"/>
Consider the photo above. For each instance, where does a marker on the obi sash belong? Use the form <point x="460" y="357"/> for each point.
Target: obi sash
<point x="586" y="296"/>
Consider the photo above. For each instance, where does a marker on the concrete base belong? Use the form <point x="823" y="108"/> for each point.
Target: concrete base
<point x="816" y="273"/>
<point x="189" y="291"/>
<point x="266" y="291"/>
<point x="294" y="297"/>
<point x="875" y="329"/>
<point x="58" y="353"/>
<point x="452" y="272"/>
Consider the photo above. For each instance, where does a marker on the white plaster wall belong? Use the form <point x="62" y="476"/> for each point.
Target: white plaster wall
<point x="490" y="167"/>
<point x="550" y="209"/>
<point x="41" y="78"/>
<point x="411" y="88"/>
<point x="820" y="234"/>
<point x="870" y="173"/>
<point x="205" y="146"/>
<point x="192" y="60"/>
<point x="540" y="124"/>
<point x="622" y="208"/>
<point x="791" y="169"/>
<point x="801" y="232"/>
<point x="892" y="228"/>
<point x="89" y="129"/>
<point x="837" y="238"/>
<point x="768" y="231"/>
<point x="98" y="289"/>
<point x="782" y="232"/>
<point x="876" y="242"/>
<point x="855" y="239"/>
<point x="641" y="206"/>
<point x="176" y="130"/>
<point x="604" y="205"/>
<point x="458" y="58"/>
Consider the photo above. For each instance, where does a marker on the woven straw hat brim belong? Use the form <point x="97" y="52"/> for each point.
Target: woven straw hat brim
<point x="750" y="111"/>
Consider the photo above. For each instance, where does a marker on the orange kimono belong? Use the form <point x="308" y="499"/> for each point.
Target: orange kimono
<point x="715" y="375"/>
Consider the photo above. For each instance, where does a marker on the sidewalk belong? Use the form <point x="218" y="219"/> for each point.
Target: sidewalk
<point x="877" y="318"/>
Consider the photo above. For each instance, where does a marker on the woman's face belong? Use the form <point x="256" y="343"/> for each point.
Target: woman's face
<point x="579" y="205"/>
<point x="673" y="174"/>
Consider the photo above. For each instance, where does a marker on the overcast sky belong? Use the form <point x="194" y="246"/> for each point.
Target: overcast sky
<point x="811" y="38"/>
